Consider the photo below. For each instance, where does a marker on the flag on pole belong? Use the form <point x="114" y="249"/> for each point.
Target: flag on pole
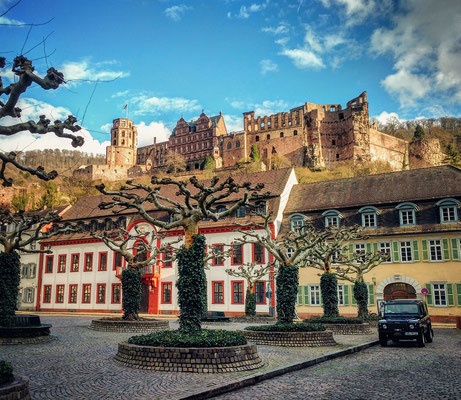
<point x="126" y="106"/>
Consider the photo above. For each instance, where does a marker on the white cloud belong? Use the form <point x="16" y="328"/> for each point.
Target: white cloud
<point x="123" y="93"/>
<point x="268" y="107"/>
<point x="357" y="10"/>
<point x="303" y="58"/>
<point x="385" y="116"/>
<point x="424" y="41"/>
<point x="233" y="123"/>
<point x="8" y="74"/>
<point x="106" y="127"/>
<point x="245" y="11"/>
<point x="75" y="71"/>
<point x="281" y="29"/>
<point x="24" y="141"/>
<point x="156" y="105"/>
<point x="146" y="133"/>
<point x="237" y="104"/>
<point x="268" y="66"/>
<point x="176" y="12"/>
<point x="282" y="41"/>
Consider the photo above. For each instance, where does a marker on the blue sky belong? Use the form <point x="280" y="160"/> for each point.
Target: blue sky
<point x="168" y="58"/>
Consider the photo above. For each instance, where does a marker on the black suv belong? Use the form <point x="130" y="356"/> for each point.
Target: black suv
<point x="405" y="320"/>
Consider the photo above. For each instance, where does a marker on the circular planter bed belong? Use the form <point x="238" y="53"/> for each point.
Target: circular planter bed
<point x="25" y="340"/>
<point x="25" y="329"/>
<point x="291" y="339"/>
<point x="259" y="319"/>
<point x="17" y="390"/>
<point x="177" y="359"/>
<point x="120" y="325"/>
<point x="349" y="329"/>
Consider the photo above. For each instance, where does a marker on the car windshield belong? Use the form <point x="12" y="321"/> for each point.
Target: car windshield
<point x="401" y="309"/>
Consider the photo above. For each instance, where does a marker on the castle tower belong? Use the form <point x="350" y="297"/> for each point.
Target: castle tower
<point x="124" y="139"/>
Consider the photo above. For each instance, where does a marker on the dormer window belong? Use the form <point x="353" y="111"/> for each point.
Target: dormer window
<point x="241" y="212"/>
<point x="260" y="207"/>
<point x="332" y="218"/>
<point x="448" y="210"/>
<point x="297" y="222"/>
<point x="369" y="216"/>
<point x="407" y="213"/>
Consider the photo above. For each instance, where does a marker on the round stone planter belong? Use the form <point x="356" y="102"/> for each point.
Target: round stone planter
<point x="119" y="325"/>
<point x="349" y="329"/>
<point x="25" y="329"/>
<point x="17" y="390"/>
<point x="291" y="339"/>
<point x="25" y="340"/>
<point x="201" y="360"/>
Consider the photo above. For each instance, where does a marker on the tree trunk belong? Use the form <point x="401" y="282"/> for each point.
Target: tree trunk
<point x="287" y="291"/>
<point x="250" y="302"/>
<point x="190" y="230"/>
<point x="132" y="293"/>
<point x="10" y="273"/>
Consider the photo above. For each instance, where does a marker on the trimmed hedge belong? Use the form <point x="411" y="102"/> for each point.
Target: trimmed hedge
<point x="295" y="327"/>
<point x="334" y="320"/>
<point x="9" y="287"/>
<point x="132" y="293"/>
<point x="202" y="338"/>
<point x="6" y="372"/>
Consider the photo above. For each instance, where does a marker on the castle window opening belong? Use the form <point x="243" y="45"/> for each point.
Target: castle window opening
<point x="323" y="109"/>
<point x="237" y="144"/>
<point x="281" y="134"/>
<point x="229" y="146"/>
<point x="333" y="142"/>
<point x="123" y="133"/>
<point x="337" y="156"/>
<point x="123" y="123"/>
<point x="268" y="137"/>
<point x="341" y="115"/>
<point x="289" y="123"/>
<point x="295" y="133"/>
<point x="123" y="142"/>
<point x="332" y="108"/>
<point x="256" y="138"/>
<point x="196" y="166"/>
<point x="115" y="142"/>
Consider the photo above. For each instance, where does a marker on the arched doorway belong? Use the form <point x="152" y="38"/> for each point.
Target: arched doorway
<point x="399" y="290"/>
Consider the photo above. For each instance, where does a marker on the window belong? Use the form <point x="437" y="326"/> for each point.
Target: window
<point x="295" y="133"/>
<point x="369" y="216"/>
<point x="237" y="144"/>
<point x="314" y="291"/>
<point x="241" y="212"/>
<point x="237" y="292"/>
<point x="237" y="254"/>
<point x="359" y="249"/>
<point x="440" y="294"/>
<point x="221" y="209"/>
<point x="405" y="251"/>
<point x="59" y="293"/>
<point x="73" y="294"/>
<point x="102" y="266"/>
<point x="297" y="223"/>
<point x="47" y="294"/>
<point x="332" y="218"/>
<point x="116" y="293"/>
<point x="448" y="210"/>
<point x="86" y="293"/>
<point x="333" y="142"/>
<point x="74" y="261"/>
<point x="166" y="292"/>
<point x="258" y="253"/>
<point x="28" y="295"/>
<point x="168" y="258"/>
<point x="218" y="254"/>
<point x="101" y="291"/>
<point x="281" y="134"/>
<point x="340" y="295"/>
<point x="229" y="146"/>
<point x="62" y="263"/>
<point x="256" y="138"/>
<point x="260" y="208"/>
<point x="49" y="264"/>
<point x="117" y="260"/>
<point x="385" y="247"/>
<point x="435" y="250"/>
<point x="218" y="292"/>
<point x="407" y="213"/>
<point x="260" y="292"/>
<point x="88" y="262"/>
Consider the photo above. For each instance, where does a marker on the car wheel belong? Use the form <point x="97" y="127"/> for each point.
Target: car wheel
<point x="420" y="340"/>
<point x="429" y="335"/>
<point x="383" y="340"/>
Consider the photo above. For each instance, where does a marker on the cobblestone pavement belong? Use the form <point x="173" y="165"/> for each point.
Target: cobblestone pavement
<point x="399" y="371"/>
<point x="79" y="364"/>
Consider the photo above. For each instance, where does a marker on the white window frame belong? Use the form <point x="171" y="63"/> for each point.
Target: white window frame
<point x="332" y="218"/>
<point x="409" y="208"/>
<point x="430" y="245"/>
<point x="410" y="246"/>
<point x="388" y="250"/>
<point x="440" y="289"/>
<point x="360" y="247"/>
<point x="314" y="295"/>
<point x="297" y="220"/>
<point x="340" y="295"/>
<point x="448" y="204"/>
<point x="28" y="295"/>
<point x="367" y="212"/>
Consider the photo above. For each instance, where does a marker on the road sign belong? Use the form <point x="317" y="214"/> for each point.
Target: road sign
<point x="424" y="291"/>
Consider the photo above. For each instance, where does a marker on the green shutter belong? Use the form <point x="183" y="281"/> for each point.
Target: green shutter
<point x="371" y="294"/>
<point x="458" y="294"/>
<point x="351" y="250"/>
<point x="429" y="295"/>
<point x="375" y="247"/>
<point x="450" y="295"/>
<point x="454" y="249"/>
<point x="306" y="295"/>
<point x="346" y="294"/>
<point x="300" y="295"/>
<point x="425" y="252"/>
<point x="415" y="250"/>
<point x="353" y="301"/>
<point x="368" y="247"/>
<point x="446" y="249"/>
<point x="395" y="252"/>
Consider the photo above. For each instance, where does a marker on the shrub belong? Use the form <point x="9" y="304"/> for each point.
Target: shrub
<point x="202" y="338"/>
<point x="294" y="327"/>
<point x="132" y="292"/>
<point x="9" y="286"/>
<point x="361" y="296"/>
<point x="329" y="289"/>
<point x="6" y="372"/>
<point x="287" y="292"/>
<point x="334" y="320"/>
<point x="250" y="303"/>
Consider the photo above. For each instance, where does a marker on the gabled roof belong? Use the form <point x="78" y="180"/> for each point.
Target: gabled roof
<point x="393" y="187"/>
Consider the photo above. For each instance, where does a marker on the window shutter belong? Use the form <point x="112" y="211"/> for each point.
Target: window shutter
<point x="450" y="295"/>
<point x="425" y="252"/>
<point x="371" y="294"/>
<point x="34" y="270"/>
<point x="353" y="301"/>
<point x="24" y="295"/>
<point x="346" y="294"/>
<point x="454" y="249"/>
<point x="375" y="247"/>
<point x="395" y="252"/>
<point x="300" y="295"/>
<point x="306" y="295"/>
<point x="429" y="295"/>
<point x="415" y="250"/>
<point x="368" y="247"/>
<point x="446" y="249"/>
<point x="458" y="294"/>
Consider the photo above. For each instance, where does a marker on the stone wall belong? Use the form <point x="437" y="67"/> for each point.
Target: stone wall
<point x="16" y="390"/>
<point x="143" y="326"/>
<point x="425" y="153"/>
<point x="291" y="339"/>
<point x="202" y="360"/>
<point x="387" y="148"/>
<point x="349" y="329"/>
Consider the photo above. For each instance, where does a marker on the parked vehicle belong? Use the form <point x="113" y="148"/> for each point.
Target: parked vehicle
<point x="405" y="320"/>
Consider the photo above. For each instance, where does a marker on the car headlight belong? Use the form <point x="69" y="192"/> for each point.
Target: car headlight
<point x="384" y="326"/>
<point x="412" y="326"/>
